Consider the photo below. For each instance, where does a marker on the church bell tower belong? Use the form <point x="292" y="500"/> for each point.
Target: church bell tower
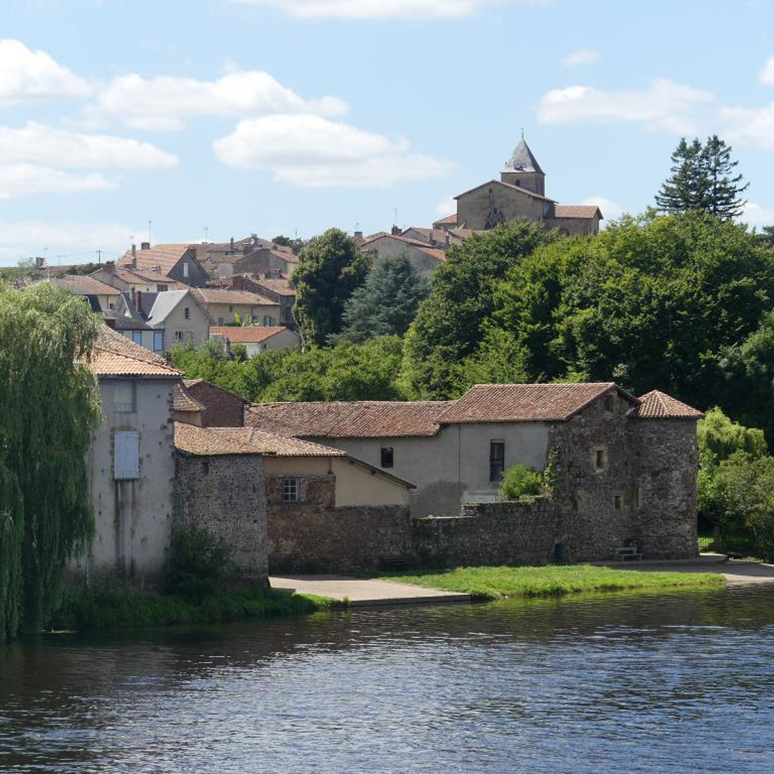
<point x="523" y="170"/>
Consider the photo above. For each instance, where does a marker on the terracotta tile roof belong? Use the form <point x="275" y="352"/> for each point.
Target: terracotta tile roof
<point x="222" y="407"/>
<point x="358" y="419"/>
<point x="435" y="252"/>
<point x="280" y="285"/>
<point x="525" y="402"/>
<point x="449" y="220"/>
<point x="226" y="296"/>
<point x="659" y="405"/>
<point x="213" y="441"/>
<point x="251" y="334"/>
<point x="115" y="355"/>
<point x="135" y="275"/>
<point x="165" y="256"/>
<point x="85" y="285"/>
<point x="182" y="400"/>
<point x="576" y="211"/>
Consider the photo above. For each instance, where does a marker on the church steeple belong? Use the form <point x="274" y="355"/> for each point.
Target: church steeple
<point x="523" y="170"/>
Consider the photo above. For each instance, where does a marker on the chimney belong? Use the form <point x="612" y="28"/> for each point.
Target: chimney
<point x="254" y="237"/>
<point x="134" y="256"/>
<point x="109" y="267"/>
<point x="145" y="246"/>
<point x="138" y="300"/>
<point x="232" y="244"/>
<point x="448" y="238"/>
<point x="39" y="262"/>
<point x="395" y="231"/>
<point x="358" y="235"/>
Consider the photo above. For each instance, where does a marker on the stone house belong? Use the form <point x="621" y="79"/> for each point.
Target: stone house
<point x="100" y="296"/>
<point x="223" y="304"/>
<point x="181" y="316"/>
<point x="276" y="287"/>
<point x="256" y="339"/>
<point x="131" y="463"/>
<point x="177" y="261"/>
<point x="520" y="195"/>
<point x="267" y="260"/>
<point x="219" y="407"/>
<point x="424" y="257"/>
<point x="625" y="467"/>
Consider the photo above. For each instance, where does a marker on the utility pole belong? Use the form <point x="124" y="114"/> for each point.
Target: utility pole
<point x="206" y="233"/>
<point x="150" y="240"/>
<point x="99" y="257"/>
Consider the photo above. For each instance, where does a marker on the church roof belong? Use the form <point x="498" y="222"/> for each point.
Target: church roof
<point x="522" y="159"/>
<point x="507" y="185"/>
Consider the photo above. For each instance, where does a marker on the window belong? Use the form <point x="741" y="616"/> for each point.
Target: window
<point x="183" y="335"/>
<point x="268" y="320"/>
<point x="162" y="288"/>
<point x="608" y="403"/>
<point x="290" y="490"/>
<point x="158" y="341"/>
<point x="387" y="457"/>
<point x="126" y="455"/>
<point x="231" y="309"/>
<point x="124" y="395"/>
<point x="187" y="313"/>
<point x="185" y="269"/>
<point x="618" y="502"/>
<point x="137" y="337"/>
<point x="496" y="460"/>
<point x="205" y="467"/>
<point x="220" y="321"/>
<point x="638" y="496"/>
<point x="600" y="459"/>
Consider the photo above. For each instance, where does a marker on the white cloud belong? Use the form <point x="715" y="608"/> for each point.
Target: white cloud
<point x="29" y="76"/>
<point x="753" y="125"/>
<point x="755" y="215"/>
<point x="22" y="179"/>
<point x="610" y="209"/>
<point x="446" y="207"/>
<point x="379" y="9"/>
<point x="165" y="102"/>
<point x="663" y="106"/>
<point x="41" y="144"/>
<point x="580" y="57"/>
<point x="767" y="74"/>
<point x="312" y="152"/>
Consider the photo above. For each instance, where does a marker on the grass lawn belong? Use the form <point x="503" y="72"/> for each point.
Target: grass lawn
<point x="553" y="580"/>
<point x="111" y="608"/>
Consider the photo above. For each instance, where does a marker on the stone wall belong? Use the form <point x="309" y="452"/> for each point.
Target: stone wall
<point x="226" y="495"/>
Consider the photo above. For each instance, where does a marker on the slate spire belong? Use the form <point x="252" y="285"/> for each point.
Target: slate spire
<point x="522" y="160"/>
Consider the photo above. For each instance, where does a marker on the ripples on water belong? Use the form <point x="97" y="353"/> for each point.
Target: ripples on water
<point x="668" y="683"/>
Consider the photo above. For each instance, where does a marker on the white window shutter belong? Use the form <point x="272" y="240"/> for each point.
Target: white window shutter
<point x="126" y="455"/>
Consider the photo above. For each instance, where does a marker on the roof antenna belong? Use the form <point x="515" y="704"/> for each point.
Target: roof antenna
<point x="522" y="132"/>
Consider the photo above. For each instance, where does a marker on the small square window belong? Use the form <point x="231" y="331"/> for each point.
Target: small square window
<point x="290" y="490"/>
<point x="618" y="502"/>
<point x="387" y="457"/>
<point x="600" y="459"/>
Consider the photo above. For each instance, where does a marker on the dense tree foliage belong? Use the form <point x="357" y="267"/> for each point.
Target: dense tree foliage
<point x="450" y="321"/>
<point x="386" y="304"/>
<point x="652" y="303"/>
<point x="331" y="268"/>
<point x="369" y="371"/>
<point x="49" y="409"/>
<point x="703" y="178"/>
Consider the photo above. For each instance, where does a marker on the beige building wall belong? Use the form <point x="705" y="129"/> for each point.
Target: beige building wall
<point x="473" y="207"/>
<point x="574" y="226"/>
<point x="387" y="247"/>
<point x="198" y="326"/>
<point x="284" y="340"/>
<point x="133" y="518"/>
<point x="452" y="467"/>
<point x="355" y="484"/>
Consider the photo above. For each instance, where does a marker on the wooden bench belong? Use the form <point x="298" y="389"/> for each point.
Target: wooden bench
<point x="627" y="553"/>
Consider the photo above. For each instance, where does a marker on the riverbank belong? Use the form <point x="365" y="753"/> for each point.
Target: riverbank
<point x="553" y="580"/>
<point x="87" y="609"/>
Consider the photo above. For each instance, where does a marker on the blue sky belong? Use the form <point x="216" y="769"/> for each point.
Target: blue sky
<point x="285" y="116"/>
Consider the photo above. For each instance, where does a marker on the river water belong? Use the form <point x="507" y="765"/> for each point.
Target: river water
<point x="638" y="683"/>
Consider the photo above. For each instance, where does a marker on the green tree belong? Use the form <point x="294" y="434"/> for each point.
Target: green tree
<point x="520" y="482"/>
<point x="49" y="410"/>
<point x="450" y="322"/>
<point x="331" y="268"/>
<point x="386" y="303"/>
<point x="703" y="178"/>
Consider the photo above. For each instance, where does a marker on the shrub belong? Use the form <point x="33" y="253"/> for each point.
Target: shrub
<point x="200" y="563"/>
<point x="520" y="482"/>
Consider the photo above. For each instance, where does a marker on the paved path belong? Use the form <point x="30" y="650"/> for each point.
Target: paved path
<point x="735" y="571"/>
<point x="362" y="592"/>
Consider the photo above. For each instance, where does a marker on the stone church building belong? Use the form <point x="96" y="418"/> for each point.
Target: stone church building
<point x="520" y="193"/>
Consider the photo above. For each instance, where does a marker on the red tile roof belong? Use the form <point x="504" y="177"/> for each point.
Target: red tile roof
<point x="659" y="405"/>
<point x="165" y="256"/>
<point x="246" y="334"/>
<point x="85" y="285"/>
<point x="358" y="419"/>
<point x="449" y="220"/>
<point x="227" y="296"/>
<point x="576" y="211"/>
<point x="115" y="355"/>
<point x="182" y="400"/>
<point x="223" y="408"/>
<point x="525" y="402"/>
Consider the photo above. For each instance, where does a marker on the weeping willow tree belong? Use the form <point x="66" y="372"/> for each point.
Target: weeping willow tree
<point x="49" y="410"/>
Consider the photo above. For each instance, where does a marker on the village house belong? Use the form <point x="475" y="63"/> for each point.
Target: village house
<point x="520" y="195"/>
<point x="135" y="281"/>
<point x="256" y="339"/>
<point x="223" y="305"/>
<point x="625" y="467"/>
<point x="176" y="261"/>
<point x="423" y="256"/>
<point x="219" y="407"/>
<point x="275" y="287"/>
<point x="101" y="297"/>
<point x="125" y="318"/>
<point x="131" y="464"/>
<point x="180" y="315"/>
<point x="267" y="260"/>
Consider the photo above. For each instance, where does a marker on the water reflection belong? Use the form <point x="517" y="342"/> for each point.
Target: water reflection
<point x="657" y="683"/>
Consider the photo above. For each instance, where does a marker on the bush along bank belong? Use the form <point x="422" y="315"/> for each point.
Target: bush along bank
<point x="553" y="580"/>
